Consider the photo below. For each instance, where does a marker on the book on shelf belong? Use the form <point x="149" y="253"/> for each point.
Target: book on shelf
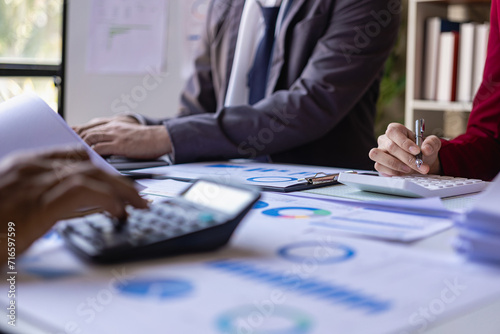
<point x="465" y="62"/>
<point x="454" y="57"/>
<point x="433" y="28"/>
<point x="447" y="67"/>
<point x="482" y="32"/>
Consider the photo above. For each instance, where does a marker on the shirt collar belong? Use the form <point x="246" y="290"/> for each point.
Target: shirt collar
<point x="270" y="3"/>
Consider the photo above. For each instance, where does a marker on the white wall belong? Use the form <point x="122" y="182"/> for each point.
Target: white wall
<point x="92" y="95"/>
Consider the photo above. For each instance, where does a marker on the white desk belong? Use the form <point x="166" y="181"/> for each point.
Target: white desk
<point x="484" y="319"/>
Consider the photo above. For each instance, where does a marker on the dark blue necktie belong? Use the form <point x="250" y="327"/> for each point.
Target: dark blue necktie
<point x="257" y="77"/>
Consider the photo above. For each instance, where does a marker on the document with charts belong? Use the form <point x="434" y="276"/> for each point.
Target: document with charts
<point x="274" y="177"/>
<point x="270" y="279"/>
<point x="355" y="218"/>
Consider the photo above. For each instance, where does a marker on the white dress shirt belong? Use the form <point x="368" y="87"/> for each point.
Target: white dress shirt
<point x="249" y="35"/>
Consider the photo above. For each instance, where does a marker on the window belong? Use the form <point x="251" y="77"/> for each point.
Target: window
<point x="31" y="48"/>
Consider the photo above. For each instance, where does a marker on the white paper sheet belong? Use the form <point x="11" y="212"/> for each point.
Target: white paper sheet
<point x="127" y="36"/>
<point x="333" y="218"/>
<point x="28" y="123"/>
<point x="262" y="283"/>
<point x="479" y="236"/>
<point x="432" y="206"/>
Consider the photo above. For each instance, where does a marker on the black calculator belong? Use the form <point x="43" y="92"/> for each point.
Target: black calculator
<point x="202" y="218"/>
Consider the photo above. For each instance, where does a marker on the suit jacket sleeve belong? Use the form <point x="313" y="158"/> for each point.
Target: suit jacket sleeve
<point x="476" y="154"/>
<point x="347" y="58"/>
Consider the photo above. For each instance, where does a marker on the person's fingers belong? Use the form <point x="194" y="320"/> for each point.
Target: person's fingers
<point x="402" y="137"/>
<point x="70" y="152"/>
<point x="80" y="192"/>
<point x="386" y="171"/>
<point x="97" y="136"/>
<point x="108" y="148"/>
<point x="73" y="153"/>
<point x="395" y="150"/>
<point x="431" y="145"/>
<point x="122" y="188"/>
<point x="382" y="158"/>
<point x="80" y="129"/>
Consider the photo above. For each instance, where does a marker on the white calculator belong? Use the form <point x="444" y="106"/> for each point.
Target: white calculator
<point x="415" y="185"/>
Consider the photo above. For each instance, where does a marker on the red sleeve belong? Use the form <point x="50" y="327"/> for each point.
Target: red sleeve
<point x="476" y="154"/>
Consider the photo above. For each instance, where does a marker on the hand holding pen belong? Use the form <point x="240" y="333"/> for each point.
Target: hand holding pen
<point x="400" y="151"/>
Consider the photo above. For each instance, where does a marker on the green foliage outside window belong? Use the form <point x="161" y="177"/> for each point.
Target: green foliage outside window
<point x="30" y="33"/>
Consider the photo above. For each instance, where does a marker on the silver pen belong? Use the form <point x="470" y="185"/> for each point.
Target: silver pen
<point x="419" y="138"/>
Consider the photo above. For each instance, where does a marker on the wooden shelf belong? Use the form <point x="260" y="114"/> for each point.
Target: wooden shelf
<point x="441" y="106"/>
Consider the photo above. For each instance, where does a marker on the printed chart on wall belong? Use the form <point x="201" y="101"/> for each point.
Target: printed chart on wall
<point x="195" y="14"/>
<point x="127" y="36"/>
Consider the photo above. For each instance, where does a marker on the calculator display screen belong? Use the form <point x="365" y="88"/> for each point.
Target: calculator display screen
<point x="219" y="197"/>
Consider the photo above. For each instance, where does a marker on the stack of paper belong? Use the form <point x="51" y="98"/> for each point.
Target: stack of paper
<point x="479" y="237"/>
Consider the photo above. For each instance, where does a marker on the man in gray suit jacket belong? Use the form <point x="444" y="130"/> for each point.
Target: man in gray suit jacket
<point x="320" y="96"/>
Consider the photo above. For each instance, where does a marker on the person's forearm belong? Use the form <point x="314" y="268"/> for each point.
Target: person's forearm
<point x="471" y="156"/>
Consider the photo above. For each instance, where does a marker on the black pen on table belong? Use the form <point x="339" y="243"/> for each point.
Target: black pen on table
<point x="419" y="138"/>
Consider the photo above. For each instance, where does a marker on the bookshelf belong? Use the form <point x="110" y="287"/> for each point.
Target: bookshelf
<point x="443" y="119"/>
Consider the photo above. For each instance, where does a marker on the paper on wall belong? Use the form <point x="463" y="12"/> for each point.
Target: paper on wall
<point x="127" y="37"/>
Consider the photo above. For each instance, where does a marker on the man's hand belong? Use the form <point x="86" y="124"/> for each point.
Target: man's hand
<point x="396" y="152"/>
<point x="39" y="189"/>
<point x="123" y="136"/>
<point x="79" y="129"/>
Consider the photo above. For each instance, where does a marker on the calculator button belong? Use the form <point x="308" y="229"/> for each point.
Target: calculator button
<point x="102" y="225"/>
<point x="84" y="230"/>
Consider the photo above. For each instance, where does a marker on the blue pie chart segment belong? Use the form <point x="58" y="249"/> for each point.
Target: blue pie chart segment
<point x="296" y="212"/>
<point x="260" y="205"/>
<point x="50" y="273"/>
<point x="282" y="320"/>
<point x="317" y="252"/>
<point x="156" y="288"/>
<point x="266" y="179"/>
<point x="224" y="166"/>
